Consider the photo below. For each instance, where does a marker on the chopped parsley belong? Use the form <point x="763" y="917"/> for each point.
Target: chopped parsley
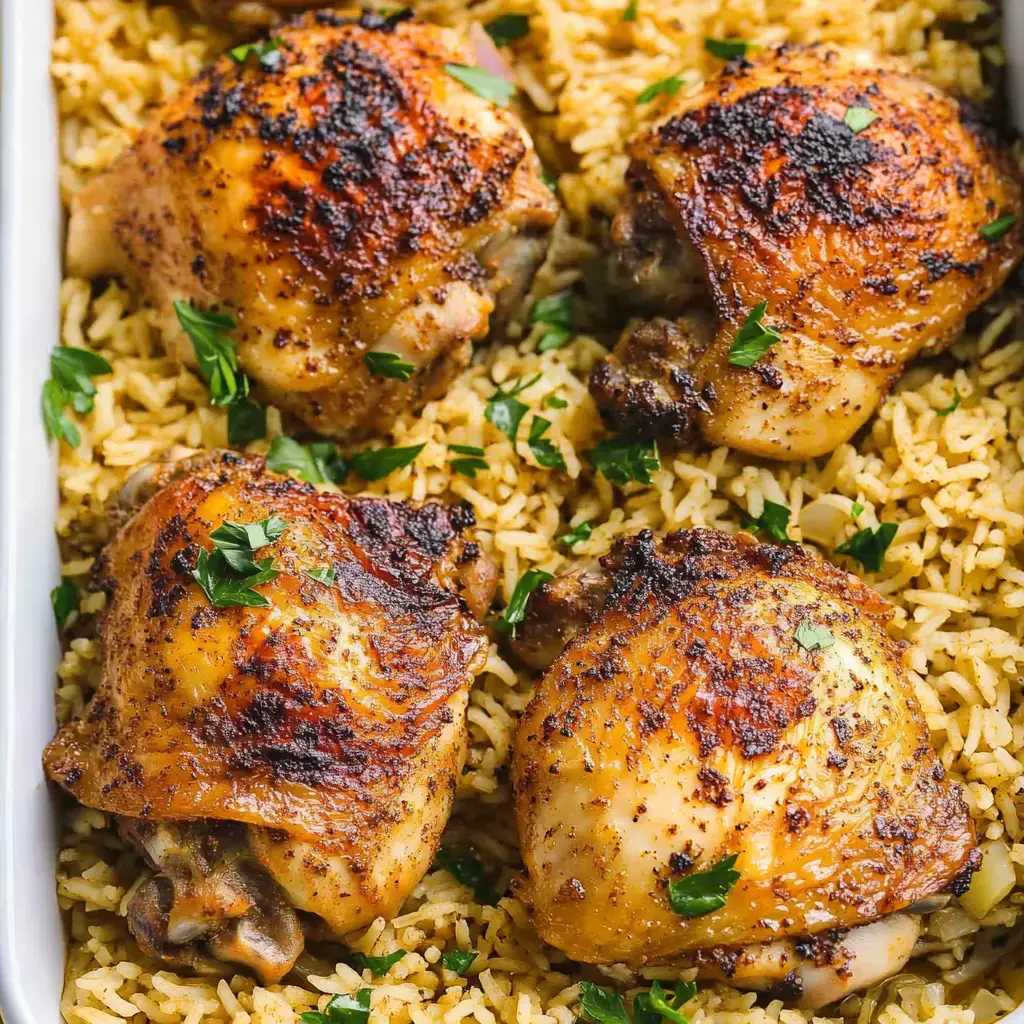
<point x="378" y="965"/>
<point x="577" y="534"/>
<point x="487" y="86"/>
<point x="858" y="118"/>
<point x="326" y="577"/>
<point x="704" y="891"/>
<point x="666" y="87"/>
<point x="952" y="407"/>
<point x="377" y="463"/>
<point x="64" y="600"/>
<point x="515" y="610"/>
<point x="238" y="541"/>
<point x="995" y="230"/>
<point x="631" y="11"/>
<point x="554" y="402"/>
<point x="70" y="383"/>
<point x="265" y="49"/>
<point x="550" y="180"/>
<point x="389" y="364"/>
<point x="856" y="509"/>
<point x="215" y="352"/>
<point x="602" y="1005"/>
<point x="556" y="313"/>
<point x="229" y="573"/>
<point x="869" y="546"/>
<point x="654" y="1006"/>
<point x="508" y="28"/>
<point x="622" y="461"/>
<point x="544" y="451"/>
<point x="726" y="49"/>
<point x="753" y="339"/>
<point x="458" y="960"/>
<point x="354" y="1009"/>
<point x="473" y="461"/>
<point x="247" y="421"/>
<point x="317" y="462"/>
<point x="813" y="638"/>
<point x="504" y="409"/>
<point x="773" y="520"/>
<point x="470" y="872"/>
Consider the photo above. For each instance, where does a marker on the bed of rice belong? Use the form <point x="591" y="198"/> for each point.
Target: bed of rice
<point x="955" y="484"/>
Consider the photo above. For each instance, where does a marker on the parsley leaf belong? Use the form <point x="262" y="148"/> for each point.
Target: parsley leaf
<point x="753" y="339"/>
<point x="554" y="402"/>
<point x="952" y="407"/>
<point x="621" y="461"/>
<point x="238" y="542"/>
<point x="353" y="1009"/>
<point x="64" y="600"/>
<point x="487" y="86"/>
<point x="508" y="28"/>
<point x="505" y="411"/>
<point x="855" y="509"/>
<point x="653" y="1006"/>
<point x="515" y="610"/>
<point x="265" y="49"/>
<point x="215" y="352"/>
<point x="247" y="421"/>
<point x="324" y="575"/>
<point x="555" y="312"/>
<point x="317" y="462"/>
<point x="473" y="464"/>
<point x="602" y="1004"/>
<point x="995" y="230"/>
<point x="377" y="463"/>
<point x="631" y="11"/>
<point x="458" y="960"/>
<point x="726" y="49"/>
<point x="666" y="87"/>
<point x="858" y="118"/>
<point x="869" y="546"/>
<point x="470" y="872"/>
<point x="224" y="588"/>
<point x="813" y="638"/>
<point x="70" y="383"/>
<point x="773" y="520"/>
<point x="544" y="451"/>
<point x="55" y="401"/>
<point x="379" y="965"/>
<point x="704" y="891"/>
<point x="389" y="364"/>
<point x="577" y="534"/>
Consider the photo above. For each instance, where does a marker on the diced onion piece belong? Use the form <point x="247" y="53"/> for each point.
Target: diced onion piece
<point x="992" y="882"/>
<point x="951" y="923"/>
<point x="488" y="56"/>
<point x="822" y="519"/>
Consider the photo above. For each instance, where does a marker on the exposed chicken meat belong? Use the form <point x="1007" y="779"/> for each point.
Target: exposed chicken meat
<point x="342" y="195"/>
<point x="869" y="235"/>
<point x="731" y="698"/>
<point x="298" y="756"/>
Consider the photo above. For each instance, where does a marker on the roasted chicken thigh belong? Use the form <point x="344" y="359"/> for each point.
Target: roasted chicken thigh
<point x="869" y="213"/>
<point x="344" y="195"/>
<point x="726" y="699"/>
<point x="297" y="751"/>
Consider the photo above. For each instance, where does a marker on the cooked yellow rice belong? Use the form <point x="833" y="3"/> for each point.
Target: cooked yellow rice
<point x="955" y="484"/>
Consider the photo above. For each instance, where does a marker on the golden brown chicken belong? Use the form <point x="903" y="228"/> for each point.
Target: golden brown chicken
<point x="345" y="196"/>
<point x="297" y="751"/>
<point x="727" y="767"/>
<point x="869" y="211"/>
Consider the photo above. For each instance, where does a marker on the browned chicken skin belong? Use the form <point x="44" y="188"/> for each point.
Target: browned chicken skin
<point x="344" y="195"/>
<point x="687" y="723"/>
<point x="866" y="245"/>
<point x="301" y="756"/>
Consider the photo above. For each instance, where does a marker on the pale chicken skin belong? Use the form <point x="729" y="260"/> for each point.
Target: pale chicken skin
<point x="865" y="241"/>
<point x="296" y="757"/>
<point x="685" y="723"/>
<point x="342" y="195"/>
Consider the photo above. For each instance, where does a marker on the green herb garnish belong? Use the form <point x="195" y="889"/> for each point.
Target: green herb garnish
<point x="487" y="86"/>
<point x="577" y="534"/>
<point x="704" y="891"/>
<point x="666" y="87"/>
<point x="856" y="509"/>
<point x="229" y="573"/>
<point x="813" y="638"/>
<point x="508" y="28"/>
<point x="515" y="610"/>
<point x="458" y="960"/>
<point x="64" y="600"/>
<point x="326" y="577"/>
<point x="554" y="402"/>
<point x="237" y="542"/>
<point x="505" y="411"/>
<point x="353" y="1009"/>
<point x="773" y="520"/>
<point x="473" y="463"/>
<point x="470" y="872"/>
<point x="603" y="1005"/>
<point x="265" y="49"/>
<point x="544" y="451"/>
<point x="654" y="1006"/>
<point x="869" y="546"/>
<point x="247" y="421"/>
<point x="557" y="314"/>
<point x="378" y="965"/>
<point x="215" y="352"/>
<point x="952" y="407"/>
<point x="726" y="49"/>
<point x="631" y="11"/>
<point x="753" y="339"/>
<point x="317" y="462"/>
<point x="377" y="463"/>
<point x="858" y="118"/>
<point x="389" y="364"/>
<point x="70" y="383"/>
<point x="622" y="461"/>
<point x="995" y="230"/>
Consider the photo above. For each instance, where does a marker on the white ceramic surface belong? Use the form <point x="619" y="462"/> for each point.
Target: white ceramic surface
<point x="31" y="939"/>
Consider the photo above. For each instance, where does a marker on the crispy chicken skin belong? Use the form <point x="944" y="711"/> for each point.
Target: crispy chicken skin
<point x="344" y="195"/>
<point x="686" y="723"/>
<point x="331" y="725"/>
<point x="865" y="244"/>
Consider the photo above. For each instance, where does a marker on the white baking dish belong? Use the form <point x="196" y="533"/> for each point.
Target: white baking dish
<point x="31" y="937"/>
